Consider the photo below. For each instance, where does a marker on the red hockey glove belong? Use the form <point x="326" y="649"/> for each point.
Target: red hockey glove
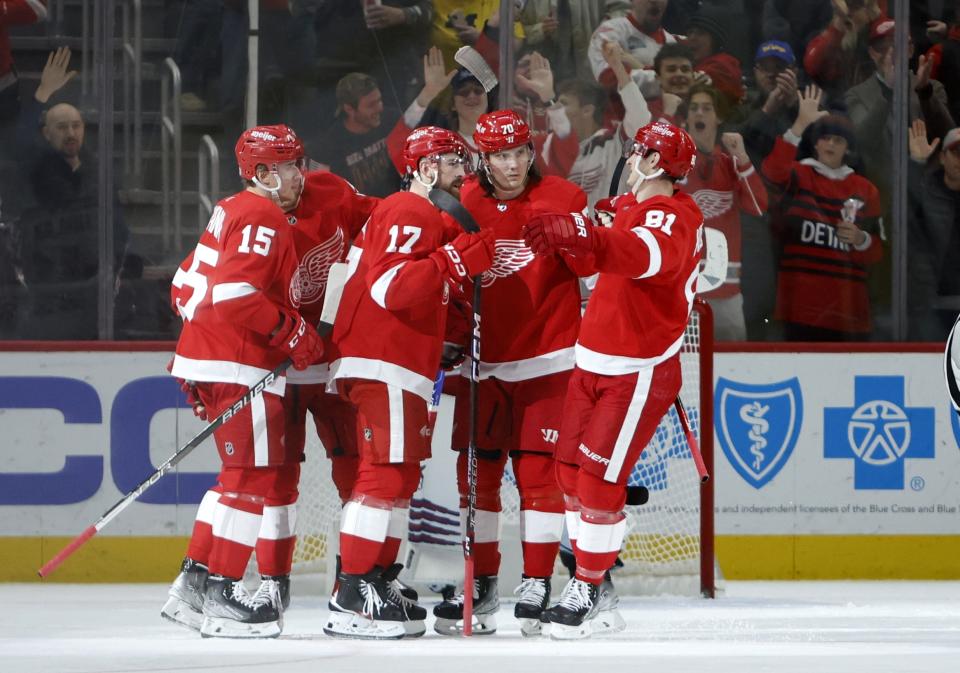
<point x="465" y="256"/>
<point x="605" y="210"/>
<point x="567" y="231"/>
<point x="299" y="339"/>
<point x="189" y="388"/>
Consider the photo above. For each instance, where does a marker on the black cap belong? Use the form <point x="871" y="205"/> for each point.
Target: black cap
<point x="710" y="23"/>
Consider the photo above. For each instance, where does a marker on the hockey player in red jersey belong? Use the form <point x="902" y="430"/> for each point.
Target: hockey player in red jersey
<point x="326" y="218"/>
<point x="388" y="338"/>
<point x="238" y="293"/>
<point x="628" y="364"/>
<point x="530" y="316"/>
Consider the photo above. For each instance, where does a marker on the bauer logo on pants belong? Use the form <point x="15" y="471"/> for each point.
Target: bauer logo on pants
<point x="758" y="426"/>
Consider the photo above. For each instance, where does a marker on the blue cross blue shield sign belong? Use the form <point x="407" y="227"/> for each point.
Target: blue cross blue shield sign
<point x="758" y="426"/>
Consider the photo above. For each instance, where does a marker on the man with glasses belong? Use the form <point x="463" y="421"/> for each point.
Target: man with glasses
<point x="772" y="101"/>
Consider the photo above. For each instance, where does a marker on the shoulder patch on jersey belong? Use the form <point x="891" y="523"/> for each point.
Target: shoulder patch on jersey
<point x="509" y="257"/>
<point x="315" y="267"/>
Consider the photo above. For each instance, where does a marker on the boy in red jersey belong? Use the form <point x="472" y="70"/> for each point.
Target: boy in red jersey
<point x="627" y="355"/>
<point x="530" y="317"/>
<point x="388" y="339"/>
<point x="826" y="217"/>
<point x="238" y="293"/>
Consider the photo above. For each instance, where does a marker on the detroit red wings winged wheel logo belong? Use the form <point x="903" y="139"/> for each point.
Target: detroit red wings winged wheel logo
<point x="509" y="256"/>
<point x="713" y="203"/>
<point x="315" y="267"/>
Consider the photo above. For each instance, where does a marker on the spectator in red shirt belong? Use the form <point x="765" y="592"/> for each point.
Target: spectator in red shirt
<point x="14" y="13"/>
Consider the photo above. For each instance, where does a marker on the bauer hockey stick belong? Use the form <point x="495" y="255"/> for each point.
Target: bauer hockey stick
<point x="255" y="391"/>
<point x="455" y="209"/>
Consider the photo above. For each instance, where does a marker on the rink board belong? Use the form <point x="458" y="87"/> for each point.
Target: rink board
<point x="828" y="464"/>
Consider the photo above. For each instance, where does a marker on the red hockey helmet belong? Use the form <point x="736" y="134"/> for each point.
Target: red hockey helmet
<point x="269" y="145"/>
<point x="428" y="141"/>
<point x="501" y="130"/>
<point x="677" y="150"/>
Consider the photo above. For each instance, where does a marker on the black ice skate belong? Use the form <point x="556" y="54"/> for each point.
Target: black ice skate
<point x="229" y="611"/>
<point x="533" y="598"/>
<point x="608" y="619"/>
<point x="269" y="583"/>
<point x="571" y="618"/>
<point x="486" y="603"/>
<point x="406" y="597"/>
<point x="363" y="606"/>
<point x="184" y="605"/>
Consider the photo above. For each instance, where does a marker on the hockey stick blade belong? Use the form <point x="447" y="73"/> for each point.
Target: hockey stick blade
<point x="473" y="60"/>
<point x="234" y="409"/>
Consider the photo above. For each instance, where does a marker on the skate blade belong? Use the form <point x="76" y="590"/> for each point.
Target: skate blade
<point x="531" y="627"/>
<point x="180" y="613"/>
<point x="351" y="625"/>
<point x="566" y="632"/>
<point x="220" y="627"/>
<point x="607" y="622"/>
<point x="414" y="628"/>
<point x="483" y="625"/>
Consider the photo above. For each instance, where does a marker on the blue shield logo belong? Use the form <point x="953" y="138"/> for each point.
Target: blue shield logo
<point x="758" y="426"/>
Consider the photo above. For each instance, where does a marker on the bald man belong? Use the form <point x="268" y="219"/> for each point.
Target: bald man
<point x="63" y="129"/>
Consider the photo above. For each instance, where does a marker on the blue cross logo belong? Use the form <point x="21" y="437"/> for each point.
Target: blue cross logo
<point x="878" y="432"/>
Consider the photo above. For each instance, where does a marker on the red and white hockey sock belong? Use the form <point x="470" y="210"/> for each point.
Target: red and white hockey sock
<point x="277" y="539"/>
<point x="399" y="516"/>
<point x="541" y="511"/>
<point x="201" y="541"/>
<point x="364" y="524"/>
<point x="540" y="537"/>
<point x="599" y="538"/>
<point x="486" y="543"/>
<point x="236" y="526"/>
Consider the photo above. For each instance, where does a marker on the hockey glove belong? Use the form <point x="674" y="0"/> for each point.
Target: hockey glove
<point x="298" y="339"/>
<point x="193" y="399"/>
<point x="465" y="256"/>
<point x="452" y="356"/>
<point x="560" y="231"/>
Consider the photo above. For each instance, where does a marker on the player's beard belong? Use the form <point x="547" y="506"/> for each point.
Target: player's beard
<point x="453" y="188"/>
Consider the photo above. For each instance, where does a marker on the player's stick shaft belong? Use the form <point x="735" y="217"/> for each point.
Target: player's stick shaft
<point x="255" y="391"/>
<point x="691" y="441"/>
<point x="455" y="209"/>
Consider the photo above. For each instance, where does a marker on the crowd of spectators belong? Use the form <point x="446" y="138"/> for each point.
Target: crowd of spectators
<point x="790" y="103"/>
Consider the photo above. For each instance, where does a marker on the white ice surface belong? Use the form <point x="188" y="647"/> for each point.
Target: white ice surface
<point x="782" y="627"/>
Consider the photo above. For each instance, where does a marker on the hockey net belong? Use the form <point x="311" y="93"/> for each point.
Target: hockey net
<point x="668" y="548"/>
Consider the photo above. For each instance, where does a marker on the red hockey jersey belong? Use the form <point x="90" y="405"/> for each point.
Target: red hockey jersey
<point x="722" y="192"/>
<point x="330" y="214"/>
<point x="530" y="309"/>
<point x="648" y="264"/>
<point x="230" y="290"/>
<point x="391" y="321"/>
<point x="822" y="282"/>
